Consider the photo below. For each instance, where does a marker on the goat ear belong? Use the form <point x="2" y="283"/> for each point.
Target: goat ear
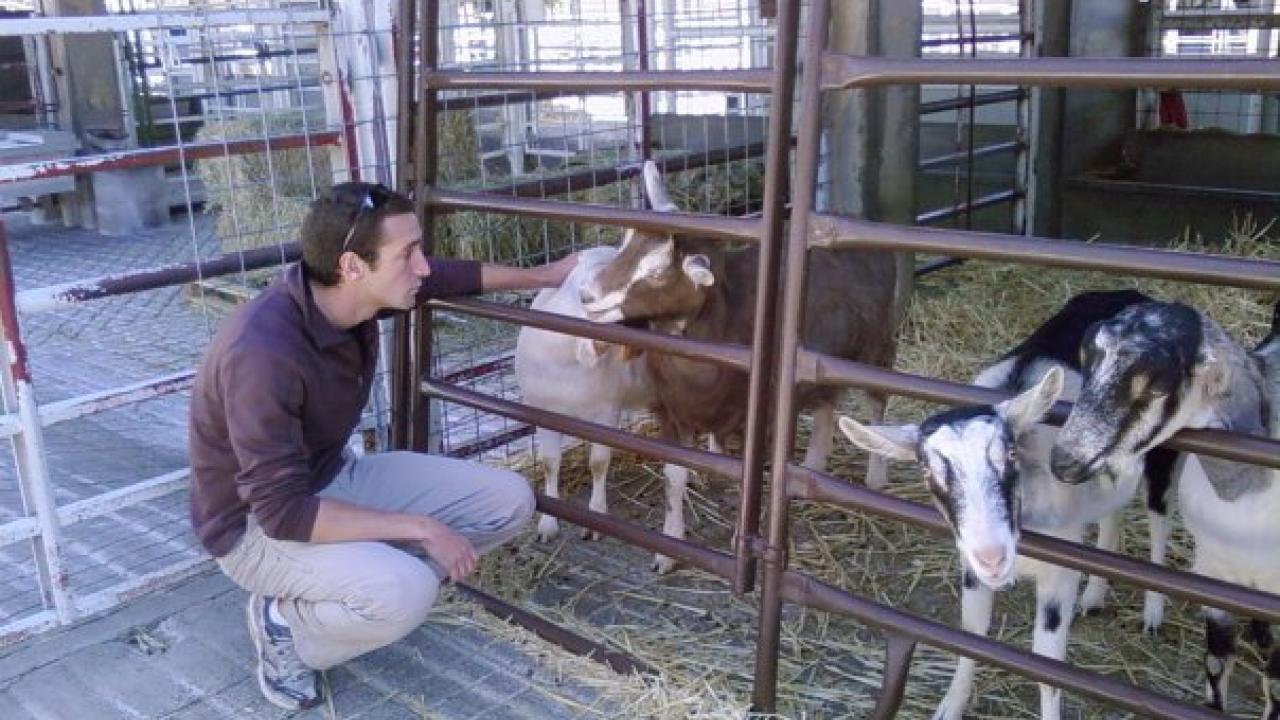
<point x="896" y="442"/>
<point x="656" y="190"/>
<point x="698" y="268"/>
<point x="1029" y="407"/>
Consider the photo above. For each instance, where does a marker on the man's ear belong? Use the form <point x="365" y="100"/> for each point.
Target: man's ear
<point x="351" y="265"/>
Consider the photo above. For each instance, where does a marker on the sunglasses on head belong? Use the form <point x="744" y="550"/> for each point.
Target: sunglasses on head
<point x="367" y="205"/>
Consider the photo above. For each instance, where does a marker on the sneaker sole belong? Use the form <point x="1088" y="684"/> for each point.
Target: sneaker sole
<point x="255" y="637"/>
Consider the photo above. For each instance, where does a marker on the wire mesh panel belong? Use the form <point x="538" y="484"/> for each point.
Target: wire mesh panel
<point x="583" y="148"/>
<point x="972" y="138"/>
<point x="176" y="200"/>
<point x="1217" y="29"/>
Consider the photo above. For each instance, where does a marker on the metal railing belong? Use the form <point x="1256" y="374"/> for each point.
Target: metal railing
<point x="776" y="362"/>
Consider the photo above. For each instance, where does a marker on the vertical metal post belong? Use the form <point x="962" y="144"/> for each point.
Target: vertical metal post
<point x="1022" y="114"/>
<point x="425" y="158"/>
<point x="642" y="54"/>
<point x="763" y="355"/>
<point x="33" y="475"/>
<point x="764" y="690"/>
<point x="406" y="182"/>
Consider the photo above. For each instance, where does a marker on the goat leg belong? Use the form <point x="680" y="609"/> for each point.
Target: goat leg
<point x="1220" y="644"/>
<point x="976" y="603"/>
<point x="549" y="444"/>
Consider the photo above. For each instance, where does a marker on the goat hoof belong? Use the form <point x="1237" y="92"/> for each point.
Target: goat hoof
<point x="663" y="564"/>
<point x="589" y="534"/>
<point x="548" y="528"/>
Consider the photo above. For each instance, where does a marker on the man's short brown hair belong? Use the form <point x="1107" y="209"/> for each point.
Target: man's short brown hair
<point x="346" y="217"/>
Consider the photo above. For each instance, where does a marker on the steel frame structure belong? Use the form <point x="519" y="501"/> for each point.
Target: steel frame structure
<point x="776" y="362"/>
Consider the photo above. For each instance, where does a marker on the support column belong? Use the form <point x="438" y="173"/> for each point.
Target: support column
<point x="874" y="135"/>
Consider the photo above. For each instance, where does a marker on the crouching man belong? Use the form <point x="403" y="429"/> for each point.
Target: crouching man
<point x="289" y="515"/>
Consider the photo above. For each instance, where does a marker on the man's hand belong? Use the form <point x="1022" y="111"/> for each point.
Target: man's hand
<point x="449" y="549"/>
<point x="560" y="269"/>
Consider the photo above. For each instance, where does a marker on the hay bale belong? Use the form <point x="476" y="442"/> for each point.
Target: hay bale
<point x="260" y="198"/>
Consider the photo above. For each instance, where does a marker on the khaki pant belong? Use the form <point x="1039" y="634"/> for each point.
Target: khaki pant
<point x="344" y="599"/>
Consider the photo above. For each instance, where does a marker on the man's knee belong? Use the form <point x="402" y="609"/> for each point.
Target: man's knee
<point x="514" y="500"/>
<point x="398" y="601"/>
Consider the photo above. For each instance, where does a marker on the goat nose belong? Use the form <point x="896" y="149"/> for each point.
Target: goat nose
<point x="1066" y="467"/>
<point x="990" y="558"/>
<point x="588" y="294"/>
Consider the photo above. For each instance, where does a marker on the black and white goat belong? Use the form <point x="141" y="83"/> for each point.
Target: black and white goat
<point x="987" y="469"/>
<point x="575" y="376"/>
<point x="1149" y="372"/>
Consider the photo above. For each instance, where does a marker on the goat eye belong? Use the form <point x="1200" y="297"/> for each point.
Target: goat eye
<point x="1011" y="455"/>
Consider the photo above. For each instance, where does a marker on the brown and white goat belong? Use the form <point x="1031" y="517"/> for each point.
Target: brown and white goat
<point x="696" y="288"/>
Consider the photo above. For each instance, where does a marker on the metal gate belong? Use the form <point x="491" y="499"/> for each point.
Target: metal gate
<point x="776" y="360"/>
<point x="232" y="115"/>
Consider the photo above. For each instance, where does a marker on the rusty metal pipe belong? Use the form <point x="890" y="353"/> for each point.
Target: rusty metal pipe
<point x="166" y="155"/>
<point x="692" y="458"/>
<point x="768" y="270"/>
<point x="841" y="232"/>
<point x="764" y="686"/>
<point x="699" y="224"/>
<point x="828" y="370"/>
<point x="845" y="72"/>
<point x="619" y="662"/>
<point x="56" y="297"/>
<point x="806" y="484"/>
<point x="734" y="356"/>
<point x="602" y="82"/>
<point x="813" y="593"/>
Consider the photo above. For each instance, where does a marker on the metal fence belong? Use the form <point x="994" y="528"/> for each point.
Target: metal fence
<point x="222" y="121"/>
<point x="776" y="362"/>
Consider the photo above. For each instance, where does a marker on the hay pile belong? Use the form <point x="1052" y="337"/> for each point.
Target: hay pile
<point x="702" y="637"/>
<point x="260" y="198"/>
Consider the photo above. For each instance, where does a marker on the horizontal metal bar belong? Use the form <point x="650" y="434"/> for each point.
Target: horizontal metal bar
<point x="55" y="297"/>
<point x="737" y="357"/>
<point x="133" y="494"/>
<point x="489" y="442"/>
<point x="501" y="364"/>
<point x="798" y="588"/>
<point x="617" y="661"/>
<point x="27" y="627"/>
<point x="99" y="505"/>
<point x="934" y="266"/>
<point x="986" y="201"/>
<point x="252" y="55"/>
<point x="757" y="81"/>
<point x="963" y="156"/>
<point x="500" y="99"/>
<point x="1218" y="20"/>
<point x="711" y="561"/>
<point x="594" y="177"/>
<point x="72" y="408"/>
<point x="157" y="21"/>
<point x="806" y="484"/>
<point x="692" y="458"/>
<point x="815" y="367"/>
<point x="142" y="585"/>
<point x="843" y="72"/>
<point x="167" y="155"/>
<point x="981" y="99"/>
<point x="700" y="224"/>
<point x="1166" y="189"/>
<point x="842" y="232"/>
<point x="973" y="39"/>
<point x="17" y="530"/>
